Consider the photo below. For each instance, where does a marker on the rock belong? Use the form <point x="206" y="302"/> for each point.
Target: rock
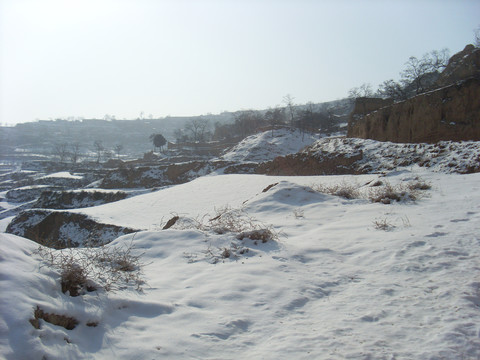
<point x="462" y="65"/>
<point x="76" y="199"/>
<point x="302" y="163"/>
<point x="449" y="113"/>
<point x="60" y="229"/>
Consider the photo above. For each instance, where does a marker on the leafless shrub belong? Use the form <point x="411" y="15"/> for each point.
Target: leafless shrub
<point x="234" y="251"/>
<point x="419" y="184"/>
<point x="86" y="269"/>
<point x="237" y="225"/>
<point x="378" y="191"/>
<point x="263" y="235"/>
<point x="226" y="253"/>
<point x="73" y="277"/>
<point x="388" y="193"/>
<point x="298" y="213"/>
<point x="406" y="222"/>
<point x="228" y="220"/>
<point x="383" y="224"/>
<point x="343" y="189"/>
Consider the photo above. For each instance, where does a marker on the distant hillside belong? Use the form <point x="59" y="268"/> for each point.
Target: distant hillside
<point x="38" y="139"/>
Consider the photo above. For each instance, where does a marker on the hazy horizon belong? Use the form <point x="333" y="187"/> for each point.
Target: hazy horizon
<point x="90" y="58"/>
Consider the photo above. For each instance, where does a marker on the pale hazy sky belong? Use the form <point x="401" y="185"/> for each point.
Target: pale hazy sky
<point x="61" y="58"/>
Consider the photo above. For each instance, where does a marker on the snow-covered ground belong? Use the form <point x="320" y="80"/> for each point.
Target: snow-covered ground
<point x="331" y="285"/>
<point x="377" y="156"/>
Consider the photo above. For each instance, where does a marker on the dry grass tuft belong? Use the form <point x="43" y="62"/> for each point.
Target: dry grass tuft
<point x="383" y="224"/>
<point x="236" y="225"/>
<point x="388" y="193"/>
<point x="87" y="269"/>
<point x="378" y="191"/>
<point x="67" y="322"/>
<point x="343" y="189"/>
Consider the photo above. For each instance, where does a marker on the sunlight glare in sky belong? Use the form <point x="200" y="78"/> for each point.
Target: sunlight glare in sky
<point x="72" y="58"/>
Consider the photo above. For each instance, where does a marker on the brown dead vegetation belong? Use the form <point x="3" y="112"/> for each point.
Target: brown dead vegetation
<point x="67" y="322"/>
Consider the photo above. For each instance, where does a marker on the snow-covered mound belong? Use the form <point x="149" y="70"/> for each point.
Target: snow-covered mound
<point x="331" y="285"/>
<point x="63" y="175"/>
<point x="268" y="145"/>
<point x="376" y="156"/>
<point x="63" y="229"/>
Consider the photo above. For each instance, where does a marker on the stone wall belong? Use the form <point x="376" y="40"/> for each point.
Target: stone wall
<point x="448" y="113"/>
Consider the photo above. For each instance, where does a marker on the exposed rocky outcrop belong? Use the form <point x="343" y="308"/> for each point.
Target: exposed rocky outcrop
<point x="27" y="193"/>
<point x="302" y="164"/>
<point x="339" y="156"/>
<point x="462" y="65"/>
<point x="451" y="112"/>
<point x="60" y="229"/>
<point x="153" y="176"/>
<point x="76" y="199"/>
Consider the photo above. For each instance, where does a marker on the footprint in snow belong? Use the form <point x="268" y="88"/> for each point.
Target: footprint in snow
<point x="229" y="329"/>
<point x="436" y="234"/>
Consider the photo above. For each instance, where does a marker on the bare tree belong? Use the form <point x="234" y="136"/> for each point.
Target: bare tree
<point x="476" y="33"/>
<point x="275" y="117"/>
<point x="61" y="150"/>
<point x="288" y="101"/>
<point x="74" y="152"/>
<point x="421" y="72"/>
<point x="179" y="136"/>
<point x="306" y="117"/>
<point x="99" y="148"/>
<point x="118" y="149"/>
<point x="198" y="129"/>
<point x="392" y="89"/>
<point x="247" y="121"/>
<point x="364" y="90"/>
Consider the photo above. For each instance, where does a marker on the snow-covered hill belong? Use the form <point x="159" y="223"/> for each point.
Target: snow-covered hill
<point x="267" y="145"/>
<point x="378" y="156"/>
<point x="336" y="279"/>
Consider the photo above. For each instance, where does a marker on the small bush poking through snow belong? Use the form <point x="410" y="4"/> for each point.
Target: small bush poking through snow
<point x="383" y="224"/>
<point x="298" y="213"/>
<point x="419" y="184"/>
<point x="241" y="228"/>
<point x="73" y="277"/>
<point x="379" y="191"/>
<point x="388" y="193"/>
<point x="228" y="220"/>
<point x="344" y="189"/>
<point x="87" y="269"/>
<point x="260" y="234"/>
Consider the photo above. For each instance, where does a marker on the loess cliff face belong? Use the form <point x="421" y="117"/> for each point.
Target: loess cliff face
<point x="451" y="112"/>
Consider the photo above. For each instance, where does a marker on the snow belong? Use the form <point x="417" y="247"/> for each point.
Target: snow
<point x="267" y="145"/>
<point x="378" y="156"/>
<point x="64" y="175"/>
<point x="330" y="286"/>
<point x="4" y="223"/>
